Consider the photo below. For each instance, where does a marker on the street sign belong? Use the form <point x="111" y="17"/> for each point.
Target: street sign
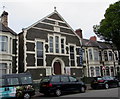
<point x="81" y="56"/>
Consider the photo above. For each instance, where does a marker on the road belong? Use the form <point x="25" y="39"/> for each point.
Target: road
<point x="111" y="93"/>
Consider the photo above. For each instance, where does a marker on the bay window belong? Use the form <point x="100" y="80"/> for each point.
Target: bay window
<point x="3" y="43"/>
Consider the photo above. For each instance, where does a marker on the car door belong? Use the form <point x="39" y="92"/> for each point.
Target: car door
<point x="74" y="84"/>
<point x="65" y="83"/>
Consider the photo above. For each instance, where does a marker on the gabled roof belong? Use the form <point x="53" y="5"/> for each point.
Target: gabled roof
<point x="57" y="17"/>
<point x="6" y="29"/>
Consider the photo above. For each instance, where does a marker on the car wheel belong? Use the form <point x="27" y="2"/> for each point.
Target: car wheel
<point x="27" y="96"/>
<point x="57" y="92"/>
<point x="82" y="89"/>
<point x="106" y="86"/>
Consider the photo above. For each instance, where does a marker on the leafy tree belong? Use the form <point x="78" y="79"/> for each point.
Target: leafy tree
<point x="109" y="28"/>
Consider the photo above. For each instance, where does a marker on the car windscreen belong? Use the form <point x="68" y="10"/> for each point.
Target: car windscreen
<point x="2" y="82"/>
<point x="26" y="80"/>
<point x="45" y="79"/>
<point x="13" y="81"/>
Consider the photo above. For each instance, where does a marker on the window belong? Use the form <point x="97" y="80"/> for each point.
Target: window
<point x="26" y="80"/>
<point x="92" y="71"/>
<point x="90" y="54"/>
<point x="3" y="43"/>
<point x="107" y="71"/>
<point x="83" y="54"/>
<point x="105" y="56"/>
<point x="96" y="55"/>
<point x="62" y="46"/>
<point x="57" y="44"/>
<point x="3" y="68"/>
<point x="2" y="82"/>
<point x="10" y="45"/>
<point x="116" y="56"/>
<point x="51" y="44"/>
<point x="72" y="79"/>
<point x="110" y="56"/>
<point x="118" y="69"/>
<point x="45" y="79"/>
<point x="72" y="56"/>
<point x="64" y="79"/>
<point x="100" y="55"/>
<point x="39" y="53"/>
<point x="55" y="79"/>
<point x="97" y="71"/>
<point x="13" y="81"/>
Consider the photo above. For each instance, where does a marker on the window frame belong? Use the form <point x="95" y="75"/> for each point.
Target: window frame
<point x="3" y="43"/>
<point x="43" y="59"/>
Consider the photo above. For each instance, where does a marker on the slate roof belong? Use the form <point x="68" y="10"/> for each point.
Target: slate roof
<point x="6" y="29"/>
<point x="101" y="45"/>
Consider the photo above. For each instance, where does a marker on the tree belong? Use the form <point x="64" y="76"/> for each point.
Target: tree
<point x="109" y="28"/>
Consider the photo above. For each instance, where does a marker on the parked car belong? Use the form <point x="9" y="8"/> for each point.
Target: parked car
<point x="16" y="86"/>
<point x="58" y="84"/>
<point x="104" y="82"/>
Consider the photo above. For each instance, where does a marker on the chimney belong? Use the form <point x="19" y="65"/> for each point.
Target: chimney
<point x="93" y="38"/>
<point x="79" y="33"/>
<point x="4" y="18"/>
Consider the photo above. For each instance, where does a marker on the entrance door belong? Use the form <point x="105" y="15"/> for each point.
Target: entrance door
<point x="57" y="68"/>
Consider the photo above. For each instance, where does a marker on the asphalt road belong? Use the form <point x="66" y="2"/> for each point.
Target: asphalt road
<point x="111" y="93"/>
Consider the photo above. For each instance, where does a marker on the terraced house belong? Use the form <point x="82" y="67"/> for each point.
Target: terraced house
<point x="8" y="47"/>
<point x="50" y="46"/>
<point x="99" y="58"/>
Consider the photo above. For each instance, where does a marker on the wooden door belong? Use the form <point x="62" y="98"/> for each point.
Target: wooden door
<point x="57" y="68"/>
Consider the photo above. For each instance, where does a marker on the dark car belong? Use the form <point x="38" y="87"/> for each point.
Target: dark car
<point x="58" y="84"/>
<point x="104" y="82"/>
<point x="16" y="86"/>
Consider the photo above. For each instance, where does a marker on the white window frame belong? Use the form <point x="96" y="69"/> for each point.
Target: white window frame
<point x="43" y="41"/>
<point x="5" y="42"/>
<point x="96" y="54"/>
<point x="90" y="56"/>
<point x="75" y="58"/>
<point x="52" y="44"/>
<point x="64" y="43"/>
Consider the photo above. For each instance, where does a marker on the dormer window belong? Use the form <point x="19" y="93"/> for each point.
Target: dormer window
<point x="3" y="43"/>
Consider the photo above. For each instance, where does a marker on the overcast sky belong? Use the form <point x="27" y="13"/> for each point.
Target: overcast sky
<point x="78" y="13"/>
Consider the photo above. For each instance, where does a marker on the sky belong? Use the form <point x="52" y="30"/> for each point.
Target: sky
<point x="77" y="13"/>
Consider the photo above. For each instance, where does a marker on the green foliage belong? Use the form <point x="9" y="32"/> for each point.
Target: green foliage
<point x="109" y="28"/>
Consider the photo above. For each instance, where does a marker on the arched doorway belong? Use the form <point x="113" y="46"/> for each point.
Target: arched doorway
<point x="57" y="68"/>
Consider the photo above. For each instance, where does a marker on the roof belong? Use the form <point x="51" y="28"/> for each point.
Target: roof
<point x="6" y="29"/>
<point x="90" y="43"/>
<point x="102" y="45"/>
